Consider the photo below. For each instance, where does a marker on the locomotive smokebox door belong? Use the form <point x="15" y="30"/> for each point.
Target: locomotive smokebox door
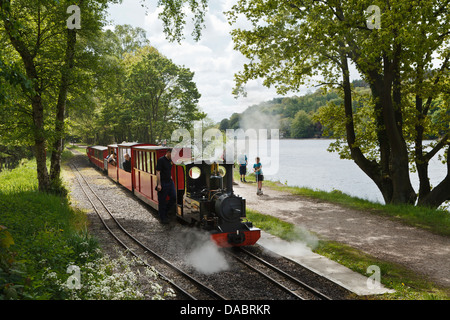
<point x="229" y="209"/>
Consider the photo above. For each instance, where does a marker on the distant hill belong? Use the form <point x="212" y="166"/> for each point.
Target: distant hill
<point x="291" y="115"/>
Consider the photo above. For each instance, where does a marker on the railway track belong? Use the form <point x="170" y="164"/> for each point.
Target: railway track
<point x="275" y="275"/>
<point x="265" y="266"/>
<point x="184" y="284"/>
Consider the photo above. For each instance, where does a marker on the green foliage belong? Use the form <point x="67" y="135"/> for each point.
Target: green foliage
<point x="405" y="64"/>
<point x="174" y="16"/>
<point x="162" y="96"/>
<point x="302" y="125"/>
<point x="281" y="113"/>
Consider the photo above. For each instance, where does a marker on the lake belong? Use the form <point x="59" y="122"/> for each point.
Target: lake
<point x="307" y="163"/>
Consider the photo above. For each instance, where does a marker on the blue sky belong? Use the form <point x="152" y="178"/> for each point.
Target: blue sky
<point x="212" y="58"/>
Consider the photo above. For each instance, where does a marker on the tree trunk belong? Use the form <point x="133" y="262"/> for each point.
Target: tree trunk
<point x="403" y="191"/>
<point x="55" y="166"/>
<point x="40" y="150"/>
<point x="371" y="168"/>
<point x="385" y="184"/>
<point x="441" y="192"/>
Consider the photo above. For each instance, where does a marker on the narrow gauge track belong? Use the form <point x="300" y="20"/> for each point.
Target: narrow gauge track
<point x="195" y="291"/>
<point x="293" y="286"/>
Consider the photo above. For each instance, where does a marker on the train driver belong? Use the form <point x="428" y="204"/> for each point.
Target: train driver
<point x="165" y="185"/>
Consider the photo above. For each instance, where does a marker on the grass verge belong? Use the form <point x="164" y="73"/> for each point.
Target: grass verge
<point x="76" y="147"/>
<point x="46" y="251"/>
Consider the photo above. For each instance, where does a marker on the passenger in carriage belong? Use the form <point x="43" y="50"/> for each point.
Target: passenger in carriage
<point x="112" y="158"/>
<point x="127" y="163"/>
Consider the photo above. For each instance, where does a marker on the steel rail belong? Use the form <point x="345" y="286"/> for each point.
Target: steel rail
<point x="148" y="250"/>
<point x="283" y="273"/>
<point x="277" y="283"/>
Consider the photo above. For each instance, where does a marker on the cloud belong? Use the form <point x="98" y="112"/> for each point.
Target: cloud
<point x="213" y="58"/>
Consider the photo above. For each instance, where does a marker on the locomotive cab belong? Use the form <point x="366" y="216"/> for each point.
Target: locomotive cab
<point x="209" y="202"/>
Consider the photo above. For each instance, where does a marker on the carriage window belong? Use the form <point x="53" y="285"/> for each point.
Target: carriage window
<point x="222" y="171"/>
<point x="139" y="160"/>
<point x="194" y="172"/>
<point x="122" y="153"/>
<point x="153" y="162"/>
<point x="144" y="161"/>
<point x="136" y="160"/>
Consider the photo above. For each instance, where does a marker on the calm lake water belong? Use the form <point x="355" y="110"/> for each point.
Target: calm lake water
<point x="307" y="163"/>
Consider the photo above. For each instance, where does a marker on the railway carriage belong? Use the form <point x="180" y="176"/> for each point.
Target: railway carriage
<point x="144" y="172"/>
<point x="126" y="177"/>
<point x="96" y="154"/>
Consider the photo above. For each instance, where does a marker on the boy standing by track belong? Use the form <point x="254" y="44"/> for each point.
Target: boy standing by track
<point x="257" y="168"/>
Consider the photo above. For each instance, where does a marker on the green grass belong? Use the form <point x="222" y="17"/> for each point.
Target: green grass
<point x="42" y="235"/>
<point x="75" y="147"/>
<point x="43" y="229"/>
<point x="407" y="284"/>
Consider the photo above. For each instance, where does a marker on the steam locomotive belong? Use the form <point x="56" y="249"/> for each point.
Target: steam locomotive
<point x="211" y="203"/>
<point x="204" y="190"/>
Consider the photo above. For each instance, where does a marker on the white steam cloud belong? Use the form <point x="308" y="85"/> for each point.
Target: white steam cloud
<point x="302" y="247"/>
<point x="257" y="120"/>
<point x="202" y="253"/>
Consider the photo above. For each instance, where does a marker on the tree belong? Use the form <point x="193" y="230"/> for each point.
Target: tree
<point x="37" y="36"/>
<point x="102" y="115"/>
<point x="405" y="63"/>
<point x="224" y="124"/>
<point x="302" y="126"/>
<point x="162" y="95"/>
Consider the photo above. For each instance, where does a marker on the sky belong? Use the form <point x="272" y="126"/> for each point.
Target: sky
<point x="212" y="58"/>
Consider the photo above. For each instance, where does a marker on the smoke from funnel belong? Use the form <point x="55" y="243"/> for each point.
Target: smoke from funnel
<point x="257" y="120"/>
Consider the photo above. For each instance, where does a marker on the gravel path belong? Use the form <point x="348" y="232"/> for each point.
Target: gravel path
<point x="381" y="237"/>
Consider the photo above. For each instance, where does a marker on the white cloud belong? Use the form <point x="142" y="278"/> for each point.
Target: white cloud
<point x="212" y="58"/>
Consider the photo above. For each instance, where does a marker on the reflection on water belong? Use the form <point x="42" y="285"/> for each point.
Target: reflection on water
<point x="307" y="163"/>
